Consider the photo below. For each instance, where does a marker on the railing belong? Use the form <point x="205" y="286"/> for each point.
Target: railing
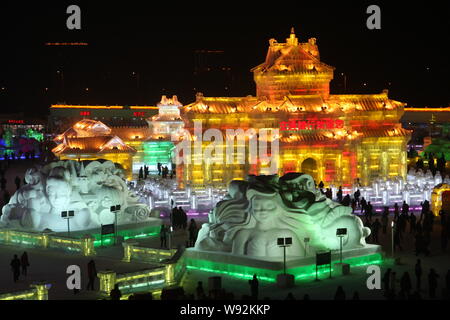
<point x="84" y="245"/>
<point x="39" y="291"/>
<point x="133" y="252"/>
<point x="167" y="273"/>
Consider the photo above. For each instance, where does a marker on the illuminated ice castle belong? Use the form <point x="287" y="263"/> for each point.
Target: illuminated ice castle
<point x="334" y="138"/>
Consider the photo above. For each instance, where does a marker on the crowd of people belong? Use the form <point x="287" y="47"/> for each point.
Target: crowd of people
<point x="19" y="266"/>
<point x="403" y="288"/>
<point x="179" y="220"/>
<point x="163" y="171"/>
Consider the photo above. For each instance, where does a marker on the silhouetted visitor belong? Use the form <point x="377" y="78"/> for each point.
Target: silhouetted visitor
<point x="254" y="286"/>
<point x="432" y="283"/>
<point x="183" y="218"/>
<point x="397" y="238"/>
<point x="393" y="283"/>
<point x="385" y="219"/>
<point x="375" y="229"/>
<point x="141" y="173"/>
<point x="405" y="208"/>
<point x="200" y="291"/>
<point x="339" y="194"/>
<point x="396" y="211"/>
<point x="159" y="169"/>
<point x="368" y="211"/>
<point x="340" y="294"/>
<point x="15" y="265"/>
<point x="363" y="204"/>
<point x="192" y="233"/>
<point x="163" y="236"/>
<point x="306" y="297"/>
<point x="92" y="274"/>
<point x="355" y="295"/>
<point x="412" y="223"/>
<point x="24" y="263"/>
<point x="115" y="293"/>
<point x="321" y="185"/>
<point x="175" y="217"/>
<point x="387" y="282"/>
<point x="290" y="296"/>
<point x="356" y="195"/>
<point x="17" y="181"/>
<point x="346" y="201"/>
<point x="405" y="283"/>
<point x="418" y="272"/>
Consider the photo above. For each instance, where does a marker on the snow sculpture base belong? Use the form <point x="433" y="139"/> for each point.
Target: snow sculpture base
<point x="267" y="268"/>
<point x="129" y="231"/>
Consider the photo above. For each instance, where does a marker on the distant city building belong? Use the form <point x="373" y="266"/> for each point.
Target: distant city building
<point x="64" y="116"/>
<point x="20" y="134"/>
<point x="212" y="72"/>
<point x="432" y="122"/>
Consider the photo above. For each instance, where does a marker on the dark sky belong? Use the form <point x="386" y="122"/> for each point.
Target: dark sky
<point x="158" y="43"/>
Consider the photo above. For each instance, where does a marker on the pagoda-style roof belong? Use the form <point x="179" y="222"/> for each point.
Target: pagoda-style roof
<point x="364" y="102"/>
<point x="293" y="56"/>
<point x="340" y="135"/>
<point x="93" y="145"/>
<point x="91" y="137"/>
<point x="295" y="104"/>
<point x="85" y="128"/>
<point x="292" y="68"/>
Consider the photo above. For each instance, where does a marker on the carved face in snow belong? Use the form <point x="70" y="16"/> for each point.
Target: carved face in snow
<point x="58" y="193"/>
<point x="263" y="208"/>
<point x="300" y="189"/>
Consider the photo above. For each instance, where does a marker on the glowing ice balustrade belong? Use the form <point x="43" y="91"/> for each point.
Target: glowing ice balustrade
<point x="131" y="251"/>
<point x="38" y="291"/>
<point x="305" y="272"/>
<point x="84" y="246"/>
<point x="417" y="188"/>
<point x="167" y="273"/>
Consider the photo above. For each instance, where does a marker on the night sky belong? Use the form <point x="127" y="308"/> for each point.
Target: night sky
<point x="408" y="55"/>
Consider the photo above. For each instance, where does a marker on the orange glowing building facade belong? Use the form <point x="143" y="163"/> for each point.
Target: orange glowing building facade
<point x="93" y="140"/>
<point x="335" y="138"/>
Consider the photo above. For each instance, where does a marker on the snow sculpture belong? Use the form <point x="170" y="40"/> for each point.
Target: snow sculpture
<point x="258" y="211"/>
<point x="67" y="185"/>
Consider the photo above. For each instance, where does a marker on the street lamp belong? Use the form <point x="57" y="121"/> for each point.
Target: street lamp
<point x="341" y="233"/>
<point x="68" y="215"/>
<point x="392" y="236"/>
<point x="345" y="81"/>
<point x="284" y="242"/>
<point x="115" y="209"/>
<point x="170" y="237"/>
